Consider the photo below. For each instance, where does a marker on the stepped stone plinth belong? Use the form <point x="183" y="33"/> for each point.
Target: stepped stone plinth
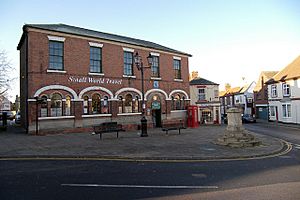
<point x="235" y="135"/>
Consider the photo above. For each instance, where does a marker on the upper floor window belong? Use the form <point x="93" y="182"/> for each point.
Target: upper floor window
<point x="128" y="63"/>
<point x="56" y="55"/>
<point x="95" y="60"/>
<point x="286" y="89"/>
<point x="273" y="91"/>
<point x="177" y="68"/>
<point x="201" y="94"/>
<point x="155" y="66"/>
<point x="216" y="93"/>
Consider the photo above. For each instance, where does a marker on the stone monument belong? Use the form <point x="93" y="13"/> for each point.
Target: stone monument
<point x="235" y="135"/>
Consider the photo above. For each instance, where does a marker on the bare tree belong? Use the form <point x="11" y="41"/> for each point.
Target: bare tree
<point x="5" y="70"/>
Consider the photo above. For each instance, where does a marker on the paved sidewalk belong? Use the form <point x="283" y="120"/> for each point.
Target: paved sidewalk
<point x="191" y="144"/>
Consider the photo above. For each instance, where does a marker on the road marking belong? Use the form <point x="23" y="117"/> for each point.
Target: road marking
<point x="143" y="186"/>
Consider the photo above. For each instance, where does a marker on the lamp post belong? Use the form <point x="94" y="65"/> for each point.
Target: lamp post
<point x="37" y="101"/>
<point x="139" y="64"/>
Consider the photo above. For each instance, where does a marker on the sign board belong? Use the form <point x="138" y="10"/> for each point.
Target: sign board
<point x="155" y="105"/>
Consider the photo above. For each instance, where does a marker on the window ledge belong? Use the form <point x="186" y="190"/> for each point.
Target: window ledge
<point x="56" y="71"/>
<point x="96" y="115"/>
<point x="178" y="80"/>
<point x="125" y="114"/>
<point x="127" y="76"/>
<point x="178" y="110"/>
<point x="96" y="74"/>
<point x="58" y="117"/>
<point x="155" y="78"/>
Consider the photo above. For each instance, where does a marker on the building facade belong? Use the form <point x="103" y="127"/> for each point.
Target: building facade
<point x="244" y="99"/>
<point x="205" y="94"/>
<point x="284" y="94"/>
<point x="261" y="95"/>
<point x="74" y="78"/>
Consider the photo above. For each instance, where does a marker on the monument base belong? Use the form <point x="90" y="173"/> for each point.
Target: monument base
<point x="238" y="139"/>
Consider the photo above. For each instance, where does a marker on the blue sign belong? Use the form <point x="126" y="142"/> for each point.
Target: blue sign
<point x="155" y="84"/>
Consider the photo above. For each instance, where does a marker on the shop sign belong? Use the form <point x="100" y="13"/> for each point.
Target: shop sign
<point x="86" y="79"/>
<point x="155" y="105"/>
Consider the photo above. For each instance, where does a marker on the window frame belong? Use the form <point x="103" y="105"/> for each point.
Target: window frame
<point x="94" y="59"/>
<point x="273" y="90"/>
<point x="177" y="68"/>
<point x="54" y="55"/>
<point x="286" y="110"/>
<point x="286" y="90"/>
<point x="201" y="94"/>
<point x="155" y="65"/>
<point x="127" y="66"/>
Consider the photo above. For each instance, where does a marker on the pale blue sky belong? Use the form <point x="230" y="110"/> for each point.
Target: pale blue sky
<point x="229" y="39"/>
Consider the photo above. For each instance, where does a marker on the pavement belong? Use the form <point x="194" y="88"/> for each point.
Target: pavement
<point x="191" y="144"/>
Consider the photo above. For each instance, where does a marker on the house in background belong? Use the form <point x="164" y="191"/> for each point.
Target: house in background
<point x="227" y="98"/>
<point x="244" y="99"/>
<point x="261" y="95"/>
<point x="284" y="94"/>
<point x="205" y="94"/>
<point x="5" y="104"/>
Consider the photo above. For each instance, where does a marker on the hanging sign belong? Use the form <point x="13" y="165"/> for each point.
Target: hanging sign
<point x="155" y="105"/>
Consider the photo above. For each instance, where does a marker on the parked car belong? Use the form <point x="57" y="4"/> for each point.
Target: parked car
<point x="10" y="115"/>
<point x="247" y="118"/>
<point x="18" y="118"/>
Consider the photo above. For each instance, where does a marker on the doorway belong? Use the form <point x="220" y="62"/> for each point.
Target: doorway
<point x="156" y="116"/>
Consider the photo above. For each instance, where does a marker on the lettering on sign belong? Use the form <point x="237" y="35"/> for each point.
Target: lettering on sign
<point x="85" y="79"/>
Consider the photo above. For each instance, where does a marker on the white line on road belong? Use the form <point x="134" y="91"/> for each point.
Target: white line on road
<point x="143" y="186"/>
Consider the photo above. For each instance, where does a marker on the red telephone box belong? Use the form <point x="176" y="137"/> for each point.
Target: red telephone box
<point x="193" y="116"/>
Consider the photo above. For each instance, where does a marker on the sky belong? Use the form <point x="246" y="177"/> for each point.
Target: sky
<point x="228" y="39"/>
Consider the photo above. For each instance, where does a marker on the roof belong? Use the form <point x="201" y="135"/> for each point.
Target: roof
<point x="63" y="28"/>
<point x="222" y="93"/>
<point x="264" y="76"/>
<point x="292" y="71"/>
<point x="234" y="90"/>
<point x="201" y="81"/>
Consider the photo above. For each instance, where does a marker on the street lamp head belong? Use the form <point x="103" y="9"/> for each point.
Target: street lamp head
<point x="150" y="60"/>
<point x="137" y="60"/>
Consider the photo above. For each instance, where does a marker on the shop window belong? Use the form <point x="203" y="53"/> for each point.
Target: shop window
<point x="183" y="103"/>
<point x="206" y="116"/>
<point x="44" y="106"/>
<point x="176" y="103"/>
<point x="68" y="106"/>
<point x="105" y="105"/>
<point x="96" y="104"/>
<point x="86" y="105"/>
<point x="136" y="104"/>
<point x="128" y="104"/>
<point x="56" y="105"/>
<point x="120" y="104"/>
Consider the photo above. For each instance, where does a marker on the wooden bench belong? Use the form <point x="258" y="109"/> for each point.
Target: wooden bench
<point x="108" y="127"/>
<point x="173" y="126"/>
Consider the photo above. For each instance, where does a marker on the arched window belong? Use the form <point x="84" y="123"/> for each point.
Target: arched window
<point x="85" y="105"/>
<point x="44" y="106"/>
<point x="68" y="106"/>
<point x="96" y="104"/>
<point x="173" y="104"/>
<point x="128" y="103"/>
<point x="56" y="105"/>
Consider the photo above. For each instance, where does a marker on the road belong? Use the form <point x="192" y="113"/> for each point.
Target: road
<point x="271" y="178"/>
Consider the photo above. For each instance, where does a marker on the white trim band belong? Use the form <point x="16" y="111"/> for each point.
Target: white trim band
<point x="96" y="74"/>
<point x="176" y="58"/>
<point x="154" y="54"/>
<point x="56" y="71"/>
<point x="128" y="114"/>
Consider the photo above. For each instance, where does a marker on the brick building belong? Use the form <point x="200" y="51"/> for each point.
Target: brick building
<point x="86" y="77"/>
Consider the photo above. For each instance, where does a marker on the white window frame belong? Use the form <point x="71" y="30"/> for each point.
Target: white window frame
<point x="272" y="111"/>
<point x="202" y="94"/>
<point x="286" y="110"/>
<point x="286" y="90"/>
<point x="273" y="91"/>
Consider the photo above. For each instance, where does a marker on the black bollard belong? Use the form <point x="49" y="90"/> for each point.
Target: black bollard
<point x="144" y="127"/>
